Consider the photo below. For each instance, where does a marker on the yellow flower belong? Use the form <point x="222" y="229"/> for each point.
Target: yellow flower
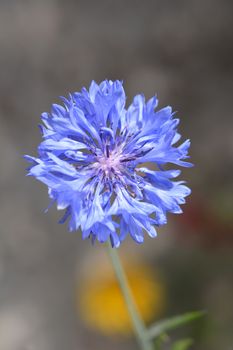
<point x="100" y="302"/>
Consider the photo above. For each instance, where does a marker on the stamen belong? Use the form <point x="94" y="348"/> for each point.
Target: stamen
<point x="107" y="150"/>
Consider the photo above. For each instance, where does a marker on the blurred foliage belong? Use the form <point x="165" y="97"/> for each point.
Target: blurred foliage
<point x="174" y="322"/>
<point x="183" y="344"/>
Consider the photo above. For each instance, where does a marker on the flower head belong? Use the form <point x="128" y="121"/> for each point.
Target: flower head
<point x="105" y="164"/>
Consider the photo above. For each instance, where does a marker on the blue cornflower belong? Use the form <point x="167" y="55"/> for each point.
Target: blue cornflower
<point x="104" y="164"/>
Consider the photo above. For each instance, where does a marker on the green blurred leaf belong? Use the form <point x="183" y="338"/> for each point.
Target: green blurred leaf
<point x="173" y="323"/>
<point x="183" y="344"/>
<point x="161" y="339"/>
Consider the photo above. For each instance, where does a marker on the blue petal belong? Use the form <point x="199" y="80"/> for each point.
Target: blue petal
<point x="90" y="156"/>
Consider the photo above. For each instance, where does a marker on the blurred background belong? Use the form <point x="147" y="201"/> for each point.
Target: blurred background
<point x="53" y="285"/>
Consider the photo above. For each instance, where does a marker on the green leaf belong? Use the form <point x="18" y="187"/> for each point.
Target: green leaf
<point x="173" y="323"/>
<point x="183" y="344"/>
<point x="163" y="338"/>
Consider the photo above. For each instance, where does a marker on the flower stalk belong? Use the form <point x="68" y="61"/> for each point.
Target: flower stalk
<point x="137" y="322"/>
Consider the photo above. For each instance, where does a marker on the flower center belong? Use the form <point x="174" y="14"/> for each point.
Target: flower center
<point x="109" y="164"/>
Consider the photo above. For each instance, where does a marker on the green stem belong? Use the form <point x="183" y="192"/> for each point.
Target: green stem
<point x="137" y="322"/>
